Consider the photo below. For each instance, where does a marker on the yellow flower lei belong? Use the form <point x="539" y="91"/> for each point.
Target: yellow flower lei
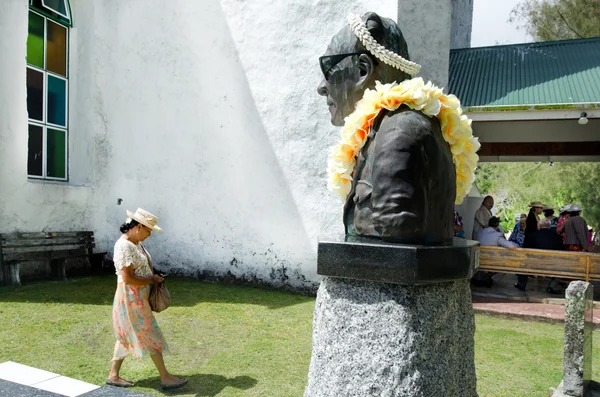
<point x="429" y="99"/>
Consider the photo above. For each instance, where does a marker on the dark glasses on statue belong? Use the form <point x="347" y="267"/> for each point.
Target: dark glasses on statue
<point x="327" y="62"/>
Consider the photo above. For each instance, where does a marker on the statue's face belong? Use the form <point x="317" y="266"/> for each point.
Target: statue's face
<point x="345" y="77"/>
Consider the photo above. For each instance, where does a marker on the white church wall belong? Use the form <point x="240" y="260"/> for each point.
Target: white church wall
<point x="207" y="114"/>
<point x="27" y="205"/>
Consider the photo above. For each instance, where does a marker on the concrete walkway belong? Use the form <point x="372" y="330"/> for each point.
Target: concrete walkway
<point x="18" y="380"/>
<point x="504" y="300"/>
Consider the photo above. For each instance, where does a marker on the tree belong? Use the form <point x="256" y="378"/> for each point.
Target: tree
<point x="547" y="20"/>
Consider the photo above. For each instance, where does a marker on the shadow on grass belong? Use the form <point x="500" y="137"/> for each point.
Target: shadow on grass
<point x="99" y="290"/>
<point x="202" y="384"/>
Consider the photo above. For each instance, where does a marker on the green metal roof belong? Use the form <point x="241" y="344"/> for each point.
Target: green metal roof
<point x="553" y="72"/>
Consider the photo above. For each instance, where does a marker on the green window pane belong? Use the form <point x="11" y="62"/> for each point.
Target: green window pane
<point x="56" y="152"/>
<point x="35" y="94"/>
<point x="56" y="48"/>
<point x="57" y="101"/>
<point x="35" y="40"/>
<point x="35" y="148"/>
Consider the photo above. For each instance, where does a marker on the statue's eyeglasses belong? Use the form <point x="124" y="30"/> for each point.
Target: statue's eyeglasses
<point x="327" y="62"/>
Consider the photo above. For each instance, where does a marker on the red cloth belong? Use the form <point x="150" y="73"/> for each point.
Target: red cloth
<point x="573" y="247"/>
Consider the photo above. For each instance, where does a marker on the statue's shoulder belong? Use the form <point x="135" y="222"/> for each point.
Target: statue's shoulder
<point x="409" y="123"/>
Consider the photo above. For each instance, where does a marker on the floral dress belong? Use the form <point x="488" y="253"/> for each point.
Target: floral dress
<point x="134" y="324"/>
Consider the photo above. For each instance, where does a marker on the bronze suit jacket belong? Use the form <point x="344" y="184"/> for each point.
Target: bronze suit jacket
<point x="404" y="186"/>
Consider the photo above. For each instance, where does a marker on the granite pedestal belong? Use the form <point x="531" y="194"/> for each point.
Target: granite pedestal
<point x="577" y="364"/>
<point x="393" y="320"/>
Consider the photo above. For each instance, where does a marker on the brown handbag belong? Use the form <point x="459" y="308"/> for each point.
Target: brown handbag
<point x="159" y="298"/>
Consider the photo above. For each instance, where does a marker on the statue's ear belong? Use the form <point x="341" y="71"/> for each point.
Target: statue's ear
<point x="366" y="67"/>
<point x="366" y="62"/>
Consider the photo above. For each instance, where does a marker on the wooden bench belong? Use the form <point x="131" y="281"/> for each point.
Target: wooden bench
<point x="565" y="264"/>
<point x="54" y="247"/>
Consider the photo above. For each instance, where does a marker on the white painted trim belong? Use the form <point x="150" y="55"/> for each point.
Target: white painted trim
<point x="44" y="155"/>
<point x="550" y="114"/>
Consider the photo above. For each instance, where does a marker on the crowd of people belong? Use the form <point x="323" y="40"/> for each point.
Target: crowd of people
<point x="538" y="229"/>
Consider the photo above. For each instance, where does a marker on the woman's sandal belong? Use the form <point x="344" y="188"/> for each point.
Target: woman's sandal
<point x="176" y="385"/>
<point x="124" y="383"/>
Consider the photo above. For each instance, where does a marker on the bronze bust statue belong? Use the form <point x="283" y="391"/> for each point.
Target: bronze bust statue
<point x="403" y="184"/>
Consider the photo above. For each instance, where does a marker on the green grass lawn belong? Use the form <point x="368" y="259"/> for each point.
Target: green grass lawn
<point x="234" y="340"/>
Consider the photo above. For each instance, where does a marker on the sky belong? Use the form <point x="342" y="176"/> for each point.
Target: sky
<point x="491" y="26"/>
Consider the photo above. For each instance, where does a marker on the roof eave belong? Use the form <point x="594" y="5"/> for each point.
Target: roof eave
<point x="532" y="112"/>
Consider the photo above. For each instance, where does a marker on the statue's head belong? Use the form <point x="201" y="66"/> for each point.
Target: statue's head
<point x="349" y="68"/>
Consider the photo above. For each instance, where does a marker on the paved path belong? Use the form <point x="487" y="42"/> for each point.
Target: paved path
<point x="531" y="311"/>
<point x="504" y="300"/>
<point x="18" y="380"/>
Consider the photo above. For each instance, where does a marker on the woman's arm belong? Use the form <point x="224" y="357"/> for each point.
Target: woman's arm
<point x="129" y="277"/>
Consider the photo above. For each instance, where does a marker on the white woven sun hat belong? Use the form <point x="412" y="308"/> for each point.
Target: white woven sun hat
<point x="145" y="218"/>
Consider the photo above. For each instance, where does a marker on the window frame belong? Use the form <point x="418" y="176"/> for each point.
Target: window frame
<point x="45" y="124"/>
<point x="67" y="9"/>
<point x="47" y="12"/>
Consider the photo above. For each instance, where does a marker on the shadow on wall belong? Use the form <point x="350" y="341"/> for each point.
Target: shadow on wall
<point x="217" y="187"/>
<point x="202" y="385"/>
<point x="184" y="293"/>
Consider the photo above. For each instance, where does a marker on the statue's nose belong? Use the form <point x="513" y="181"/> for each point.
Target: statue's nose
<point x="322" y="89"/>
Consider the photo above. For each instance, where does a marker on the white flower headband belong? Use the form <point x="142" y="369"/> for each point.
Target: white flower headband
<point x="379" y="51"/>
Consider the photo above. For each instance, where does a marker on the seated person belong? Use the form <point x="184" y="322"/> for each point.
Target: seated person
<point x="546" y="239"/>
<point x="491" y="236"/>
<point x="458" y="225"/>
<point x="518" y="233"/>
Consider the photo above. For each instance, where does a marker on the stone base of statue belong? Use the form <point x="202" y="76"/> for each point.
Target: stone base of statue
<point x="409" y="335"/>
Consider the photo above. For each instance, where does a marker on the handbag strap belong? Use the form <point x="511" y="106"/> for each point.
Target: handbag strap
<point x="148" y="258"/>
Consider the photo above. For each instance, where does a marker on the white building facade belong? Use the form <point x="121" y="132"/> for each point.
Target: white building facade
<point x="202" y="112"/>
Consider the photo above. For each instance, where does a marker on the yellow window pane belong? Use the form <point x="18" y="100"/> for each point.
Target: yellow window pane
<point x="56" y="48"/>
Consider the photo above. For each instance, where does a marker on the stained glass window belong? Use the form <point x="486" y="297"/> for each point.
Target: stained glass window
<point x="58" y="6"/>
<point x="56" y="50"/>
<point x="36" y="148"/>
<point x="47" y="89"/>
<point x="35" y="40"/>
<point x="56" y="149"/>
<point x="57" y="101"/>
<point x="35" y="94"/>
<point x="58" y="10"/>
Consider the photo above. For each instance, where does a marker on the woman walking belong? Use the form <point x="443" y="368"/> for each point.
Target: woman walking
<point x="134" y="324"/>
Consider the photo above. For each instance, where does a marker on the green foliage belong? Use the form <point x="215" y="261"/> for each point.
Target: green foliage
<point x="547" y="20"/>
<point x="515" y="185"/>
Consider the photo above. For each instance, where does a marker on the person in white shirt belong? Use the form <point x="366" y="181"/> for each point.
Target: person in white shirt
<point x="482" y="216"/>
<point x="491" y="236"/>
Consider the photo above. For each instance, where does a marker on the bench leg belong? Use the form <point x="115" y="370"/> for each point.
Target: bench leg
<point x="57" y="267"/>
<point x="12" y="274"/>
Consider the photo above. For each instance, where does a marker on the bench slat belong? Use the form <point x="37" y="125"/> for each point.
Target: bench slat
<point x="46" y="242"/>
<point x="22" y="250"/>
<point x="540" y="262"/>
<point x="45" y="255"/>
<point x="21" y="236"/>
